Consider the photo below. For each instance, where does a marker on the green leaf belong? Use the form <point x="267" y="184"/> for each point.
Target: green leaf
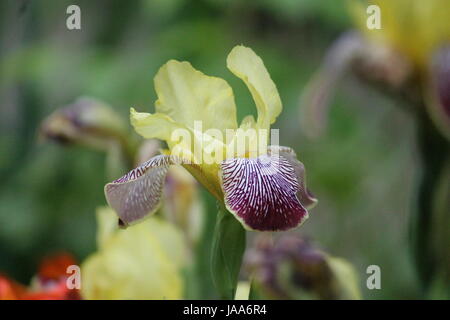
<point x="227" y="251"/>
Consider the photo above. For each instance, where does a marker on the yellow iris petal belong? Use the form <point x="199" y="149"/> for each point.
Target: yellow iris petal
<point x="248" y="141"/>
<point x="155" y="125"/>
<point x="185" y="143"/>
<point x="415" y="28"/>
<point x="187" y="95"/>
<point x="142" y="262"/>
<point x="246" y="65"/>
<point x="248" y="123"/>
<point x="106" y="226"/>
<point x="178" y="137"/>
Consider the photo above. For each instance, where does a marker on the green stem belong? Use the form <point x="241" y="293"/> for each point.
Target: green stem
<point x="434" y="154"/>
<point x="206" y="289"/>
<point x="255" y="292"/>
<point x="227" y="252"/>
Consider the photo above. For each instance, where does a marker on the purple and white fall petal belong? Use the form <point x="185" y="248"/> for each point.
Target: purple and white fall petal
<point x="262" y="192"/>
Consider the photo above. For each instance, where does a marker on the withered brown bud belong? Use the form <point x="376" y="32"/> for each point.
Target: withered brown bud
<point x="293" y="268"/>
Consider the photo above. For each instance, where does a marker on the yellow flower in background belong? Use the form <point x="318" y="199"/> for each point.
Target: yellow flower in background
<point x="143" y="262"/>
<point x="409" y="56"/>
<point x="420" y="32"/>
<point x="414" y="28"/>
<point x="262" y="186"/>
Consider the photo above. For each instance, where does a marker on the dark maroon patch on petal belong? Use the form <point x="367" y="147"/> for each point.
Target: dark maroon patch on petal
<point x="261" y="192"/>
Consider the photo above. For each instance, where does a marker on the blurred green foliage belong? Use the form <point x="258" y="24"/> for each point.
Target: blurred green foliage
<point x="361" y="170"/>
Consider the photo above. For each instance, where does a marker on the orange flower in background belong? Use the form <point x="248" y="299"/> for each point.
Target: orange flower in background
<point x="55" y="267"/>
<point x="49" y="284"/>
<point x="9" y="289"/>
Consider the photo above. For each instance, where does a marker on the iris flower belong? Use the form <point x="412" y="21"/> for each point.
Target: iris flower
<point x="262" y="186"/>
<point x="420" y="31"/>
<point x="427" y="19"/>
<point x="408" y="57"/>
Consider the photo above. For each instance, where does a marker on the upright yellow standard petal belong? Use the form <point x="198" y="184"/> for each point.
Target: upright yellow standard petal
<point x="187" y="95"/>
<point x="179" y="138"/>
<point x="142" y="262"/>
<point x="246" y="65"/>
<point x="155" y="125"/>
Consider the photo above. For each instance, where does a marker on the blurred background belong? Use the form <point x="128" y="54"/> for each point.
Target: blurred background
<point x="362" y="170"/>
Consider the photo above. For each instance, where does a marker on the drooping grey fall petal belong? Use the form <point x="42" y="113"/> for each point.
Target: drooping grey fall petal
<point x="137" y="194"/>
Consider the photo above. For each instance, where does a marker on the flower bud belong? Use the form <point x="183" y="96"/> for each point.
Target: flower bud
<point x="294" y="269"/>
<point x="87" y="121"/>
